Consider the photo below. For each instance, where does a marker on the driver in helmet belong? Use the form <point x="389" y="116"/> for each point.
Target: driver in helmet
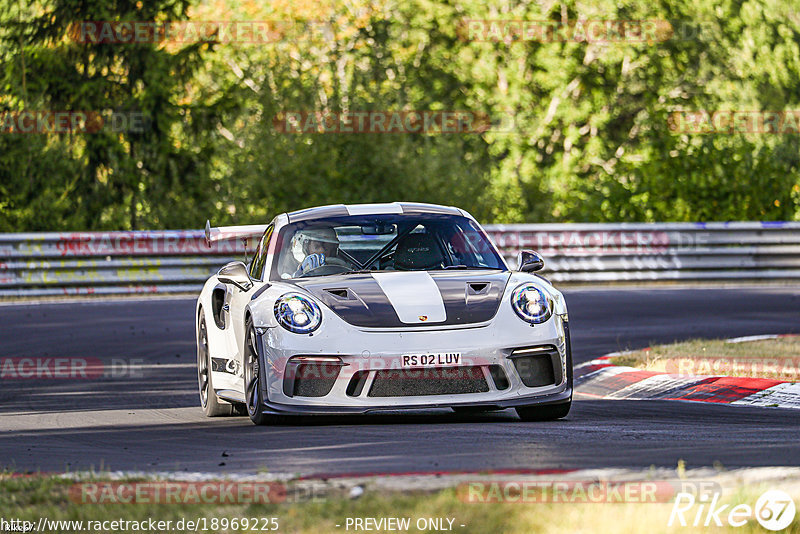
<point x="314" y="248"/>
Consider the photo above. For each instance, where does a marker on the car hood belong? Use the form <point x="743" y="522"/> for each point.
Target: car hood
<point x="393" y="299"/>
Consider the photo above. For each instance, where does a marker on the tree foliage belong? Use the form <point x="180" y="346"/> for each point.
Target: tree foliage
<point x="587" y="132"/>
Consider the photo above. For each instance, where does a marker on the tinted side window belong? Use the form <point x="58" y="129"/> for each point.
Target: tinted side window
<point x="260" y="258"/>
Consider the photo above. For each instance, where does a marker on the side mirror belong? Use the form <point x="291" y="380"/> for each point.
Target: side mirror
<point x="529" y="261"/>
<point x="235" y="273"/>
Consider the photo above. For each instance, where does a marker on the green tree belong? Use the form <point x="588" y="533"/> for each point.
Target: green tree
<point x="120" y="177"/>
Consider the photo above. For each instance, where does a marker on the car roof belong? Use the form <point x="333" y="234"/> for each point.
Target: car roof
<point x="344" y="210"/>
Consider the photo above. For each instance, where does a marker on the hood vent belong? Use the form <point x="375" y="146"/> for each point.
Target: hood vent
<point x="477" y="288"/>
<point x="341" y="294"/>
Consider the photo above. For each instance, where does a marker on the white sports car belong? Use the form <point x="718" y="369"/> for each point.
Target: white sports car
<point x="379" y="307"/>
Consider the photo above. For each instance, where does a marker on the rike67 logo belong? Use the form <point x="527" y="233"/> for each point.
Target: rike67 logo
<point x="774" y="510"/>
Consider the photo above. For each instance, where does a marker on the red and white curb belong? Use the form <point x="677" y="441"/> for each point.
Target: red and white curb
<point x="599" y="378"/>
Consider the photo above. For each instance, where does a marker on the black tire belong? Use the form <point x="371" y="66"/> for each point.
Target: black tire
<point x="548" y="412"/>
<point x="209" y="401"/>
<point x="254" y="376"/>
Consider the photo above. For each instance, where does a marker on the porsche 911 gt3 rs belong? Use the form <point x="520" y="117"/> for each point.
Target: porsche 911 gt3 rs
<point x="379" y="307"/>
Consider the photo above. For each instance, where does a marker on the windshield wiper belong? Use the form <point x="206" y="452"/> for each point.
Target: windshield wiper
<point x="360" y="271"/>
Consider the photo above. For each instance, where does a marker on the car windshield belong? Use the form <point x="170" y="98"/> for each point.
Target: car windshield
<point x="355" y="244"/>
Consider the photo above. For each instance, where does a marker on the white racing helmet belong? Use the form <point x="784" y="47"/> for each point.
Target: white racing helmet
<point x="302" y="238"/>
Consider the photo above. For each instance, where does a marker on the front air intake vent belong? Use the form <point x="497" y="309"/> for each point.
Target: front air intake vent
<point x="538" y="366"/>
<point x="428" y="381"/>
<point x="356" y="385"/>
<point x="308" y="376"/>
<point x="499" y="377"/>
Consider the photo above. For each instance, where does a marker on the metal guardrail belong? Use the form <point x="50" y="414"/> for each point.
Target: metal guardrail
<point x="659" y="251"/>
<point x="78" y="263"/>
<point x="85" y="263"/>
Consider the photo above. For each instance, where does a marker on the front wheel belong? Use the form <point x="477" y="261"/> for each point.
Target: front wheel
<point x="548" y="412"/>
<point x="254" y="377"/>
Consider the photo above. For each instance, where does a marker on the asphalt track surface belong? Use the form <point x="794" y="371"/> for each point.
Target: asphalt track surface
<point x="151" y="421"/>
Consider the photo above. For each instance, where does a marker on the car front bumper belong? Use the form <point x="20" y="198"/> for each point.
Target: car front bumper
<point x="374" y="351"/>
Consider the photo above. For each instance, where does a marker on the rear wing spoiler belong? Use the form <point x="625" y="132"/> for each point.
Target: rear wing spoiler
<point x="227" y="233"/>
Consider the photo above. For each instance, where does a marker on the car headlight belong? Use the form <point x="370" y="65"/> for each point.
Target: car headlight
<point x="531" y="304"/>
<point x="297" y="313"/>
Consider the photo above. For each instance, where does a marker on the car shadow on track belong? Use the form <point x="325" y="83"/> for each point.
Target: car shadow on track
<point x="417" y="417"/>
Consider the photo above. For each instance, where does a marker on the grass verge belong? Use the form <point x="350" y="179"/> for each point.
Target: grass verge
<point x="54" y="498"/>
